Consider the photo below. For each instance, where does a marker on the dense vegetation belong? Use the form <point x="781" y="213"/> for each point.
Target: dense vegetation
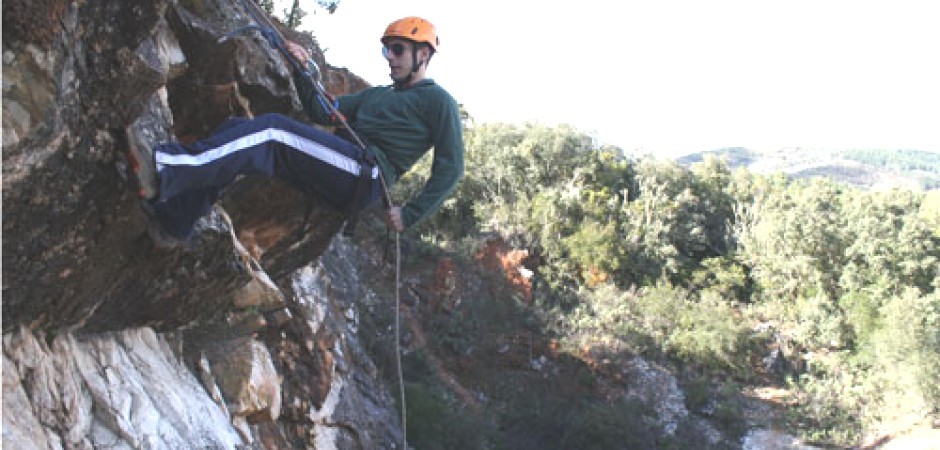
<point x="857" y="167"/>
<point x="897" y="159"/>
<point x="709" y="270"/>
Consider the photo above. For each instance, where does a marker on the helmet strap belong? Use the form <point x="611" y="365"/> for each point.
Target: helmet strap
<point x="414" y="66"/>
<point x="403" y="83"/>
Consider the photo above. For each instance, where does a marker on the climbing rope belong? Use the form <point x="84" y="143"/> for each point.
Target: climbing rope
<point x="401" y="377"/>
<point x="312" y="72"/>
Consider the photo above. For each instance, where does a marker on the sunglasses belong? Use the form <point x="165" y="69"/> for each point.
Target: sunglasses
<point x="396" y="49"/>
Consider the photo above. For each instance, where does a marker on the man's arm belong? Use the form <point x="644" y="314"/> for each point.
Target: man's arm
<point x="447" y="168"/>
<point x="308" y="94"/>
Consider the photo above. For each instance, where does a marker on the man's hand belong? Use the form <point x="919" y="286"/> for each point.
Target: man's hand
<point x="394" y="220"/>
<point x="297" y="51"/>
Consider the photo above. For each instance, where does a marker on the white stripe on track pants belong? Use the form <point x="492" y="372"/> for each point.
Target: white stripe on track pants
<point x="192" y="176"/>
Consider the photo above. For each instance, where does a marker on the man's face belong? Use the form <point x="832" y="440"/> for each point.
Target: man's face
<point x="398" y="52"/>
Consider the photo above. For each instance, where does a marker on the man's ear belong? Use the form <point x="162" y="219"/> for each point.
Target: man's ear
<point x="426" y="52"/>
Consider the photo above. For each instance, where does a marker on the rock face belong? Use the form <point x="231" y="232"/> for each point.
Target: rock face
<point x="245" y="339"/>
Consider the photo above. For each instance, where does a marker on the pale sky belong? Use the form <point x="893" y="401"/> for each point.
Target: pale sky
<point x="670" y="77"/>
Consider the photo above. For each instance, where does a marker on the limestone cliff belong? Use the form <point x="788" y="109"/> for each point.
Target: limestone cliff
<point x="244" y="339"/>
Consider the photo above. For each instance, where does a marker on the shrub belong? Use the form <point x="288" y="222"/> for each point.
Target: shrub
<point x="619" y="424"/>
<point x="668" y="321"/>
<point x="435" y="421"/>
<point x="890" y="382"/>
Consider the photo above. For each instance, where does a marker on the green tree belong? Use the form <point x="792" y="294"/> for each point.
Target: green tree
<point x="930" y="211"/>
<point x="891" y="245"/>
<point x="294" y="15"/>
<point x="267" y="6"/>
<point x="677" y="219"/>
<point x="792" y="238"/>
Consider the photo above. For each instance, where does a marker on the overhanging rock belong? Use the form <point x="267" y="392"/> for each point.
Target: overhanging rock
<point x="98" y="319"/>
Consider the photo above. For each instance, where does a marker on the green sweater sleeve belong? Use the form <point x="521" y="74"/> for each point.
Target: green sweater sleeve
<point x="307" y="93"/>
<point x="447" y="167"/>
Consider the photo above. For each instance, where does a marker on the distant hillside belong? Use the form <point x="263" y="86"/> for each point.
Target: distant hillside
<point x="868" y="168"/>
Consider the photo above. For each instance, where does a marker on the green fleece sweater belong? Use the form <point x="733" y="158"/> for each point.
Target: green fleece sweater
<point x="401" y="125"/>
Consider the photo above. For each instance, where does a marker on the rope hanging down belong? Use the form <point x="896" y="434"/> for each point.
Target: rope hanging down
<point x="311" y="71"/>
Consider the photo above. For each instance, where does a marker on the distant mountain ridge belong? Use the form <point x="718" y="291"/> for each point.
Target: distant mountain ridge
<point x="865" y="168"/>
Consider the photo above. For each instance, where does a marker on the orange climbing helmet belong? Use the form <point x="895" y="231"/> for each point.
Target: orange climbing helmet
<point x="415" y="29"/>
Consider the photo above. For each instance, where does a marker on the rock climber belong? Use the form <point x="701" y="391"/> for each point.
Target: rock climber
<point x="399" y="122"/>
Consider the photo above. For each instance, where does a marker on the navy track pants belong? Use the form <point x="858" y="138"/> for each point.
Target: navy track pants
<point x="309" y="159"/>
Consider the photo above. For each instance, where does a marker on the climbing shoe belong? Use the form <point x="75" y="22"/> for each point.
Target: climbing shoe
<point x="153" y="127"/>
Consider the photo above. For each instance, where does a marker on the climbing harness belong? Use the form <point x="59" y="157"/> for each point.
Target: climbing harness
<point x="311" y="72"/>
